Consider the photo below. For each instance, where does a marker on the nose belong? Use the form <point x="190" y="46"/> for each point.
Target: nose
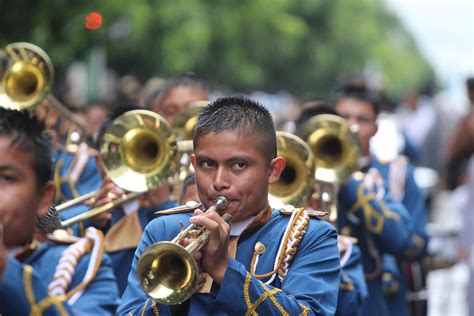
<point x="221" y="182"/>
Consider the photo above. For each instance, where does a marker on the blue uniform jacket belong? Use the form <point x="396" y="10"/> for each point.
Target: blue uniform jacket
<point x="381" y="225"/>
<point x="89" y="179"/>
<point x="122" y="259"/>
<point x="24" y="287"/>
<point x="352" y="289"/>
<point x="310" y="285"/>
<point x="400" y="184"/>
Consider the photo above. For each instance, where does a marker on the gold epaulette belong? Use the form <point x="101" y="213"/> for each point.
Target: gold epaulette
<point x="190" y="206"/>
<point x="289" y="209"/>
<point x="61" y="236"/>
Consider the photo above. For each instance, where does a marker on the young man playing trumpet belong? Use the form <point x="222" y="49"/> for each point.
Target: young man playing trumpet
<point x="265" y="261"/>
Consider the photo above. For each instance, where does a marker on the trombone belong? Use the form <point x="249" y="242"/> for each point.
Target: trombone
<point x="26" y="79"/>
<point x="183" y="126"/>
<point x="168" y="271"/>
<point x="297" y="179"/>
<point x="336" y="149"/>
<point x="139" y="153"/>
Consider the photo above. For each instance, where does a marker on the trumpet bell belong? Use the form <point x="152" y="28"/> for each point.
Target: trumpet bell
<point x="139" y="150"/>
<point x="334" y="145"/>
<point x="26" y="75"/>
<point x="296" y="181"/>
<point x="167" y="273"/>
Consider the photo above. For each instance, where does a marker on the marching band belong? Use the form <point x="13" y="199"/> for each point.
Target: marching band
<point x="303" y="223"/>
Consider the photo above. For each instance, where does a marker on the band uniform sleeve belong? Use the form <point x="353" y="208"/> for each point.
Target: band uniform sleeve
<point x="101" y="296"/>
<point x="23" y="292"/>
<point x="352" y="289"/>
<point x="382" y="218"/>
<point x="309" y="288"/>
<point x="414" y="201"/>
<point x="390" y="274"/>
<point x="134" y="300"/>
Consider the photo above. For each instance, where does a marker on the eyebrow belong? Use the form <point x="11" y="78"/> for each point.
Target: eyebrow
<point x="200" y="158"/>
<point x="12" y="167"/>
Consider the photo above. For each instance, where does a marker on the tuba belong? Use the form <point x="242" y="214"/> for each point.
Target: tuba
<point x="139" y="152"/>
<point x="336" y="149"/>
<point x="297" y="179"/>
<point x="168" y="271"/>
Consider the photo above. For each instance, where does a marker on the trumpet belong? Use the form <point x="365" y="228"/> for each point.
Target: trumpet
<point x="168" y="271"/>
<point x="139" y="153"/>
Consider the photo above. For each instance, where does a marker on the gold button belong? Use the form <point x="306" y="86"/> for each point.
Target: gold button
<point x="259" y="248"/>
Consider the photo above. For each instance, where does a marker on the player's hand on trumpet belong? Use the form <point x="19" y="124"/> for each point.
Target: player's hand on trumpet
<point x="214" y="255"/>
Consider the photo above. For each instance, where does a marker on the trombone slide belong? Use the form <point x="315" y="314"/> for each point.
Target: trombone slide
<point x="101" y="209"/>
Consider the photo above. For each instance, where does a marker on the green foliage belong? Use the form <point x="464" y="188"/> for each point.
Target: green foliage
<point x="302" y="46"/>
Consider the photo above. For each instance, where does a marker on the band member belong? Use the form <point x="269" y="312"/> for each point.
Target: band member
<point x="176" y="94"/>
<point x="124" y="224"/>
<point x="74" y="166"/>
<point x="189" y="190"/>
<point x="42" y="278"/>
<point x="394" y="181"/>
<point x="273" y="263"/>
<point x="124" y="227"/>
<point x="352" y="288"/>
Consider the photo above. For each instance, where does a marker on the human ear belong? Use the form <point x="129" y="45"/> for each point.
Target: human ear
<point x="193" y="161"/>
<point x="47" y="193"/>
<point x="277" y="165"/>
<point x="375" y="129"/>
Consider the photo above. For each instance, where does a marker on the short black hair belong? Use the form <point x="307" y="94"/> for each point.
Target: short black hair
<point x="28" y="133"/>
<point x="188" y="181"/>
<point x="358" y="92"/>
<point x="470" y="83"/>
<point x="48" y="223"/>
<point x="241" y="115"/>
<point x="185" y="80"/>
<point x="314" y="108"/>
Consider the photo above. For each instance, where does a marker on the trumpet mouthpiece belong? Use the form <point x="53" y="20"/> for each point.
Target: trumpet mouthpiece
<point x="221" y="202"/>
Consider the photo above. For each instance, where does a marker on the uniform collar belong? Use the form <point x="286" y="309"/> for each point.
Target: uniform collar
<point x="237" y="228"/>
<point x="21" y="253"/>
<point x="262" y="217"/>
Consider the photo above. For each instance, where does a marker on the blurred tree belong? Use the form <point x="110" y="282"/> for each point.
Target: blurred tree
<point x="301" y="46"/>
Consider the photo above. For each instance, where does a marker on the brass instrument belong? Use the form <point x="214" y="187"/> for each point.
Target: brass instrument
<point x="168" y="271"/>
<point x="185" y="121"/>
<point x="26" y="76"/>
<point x="297" y="179"/>
<point x="184" y="124"/>
<point x="79" y="200"/>
<point x="336" y="149"/>
<point x="26" y="79"/>
<point x="184" y="149"/>
<point x="138" y="152"/>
